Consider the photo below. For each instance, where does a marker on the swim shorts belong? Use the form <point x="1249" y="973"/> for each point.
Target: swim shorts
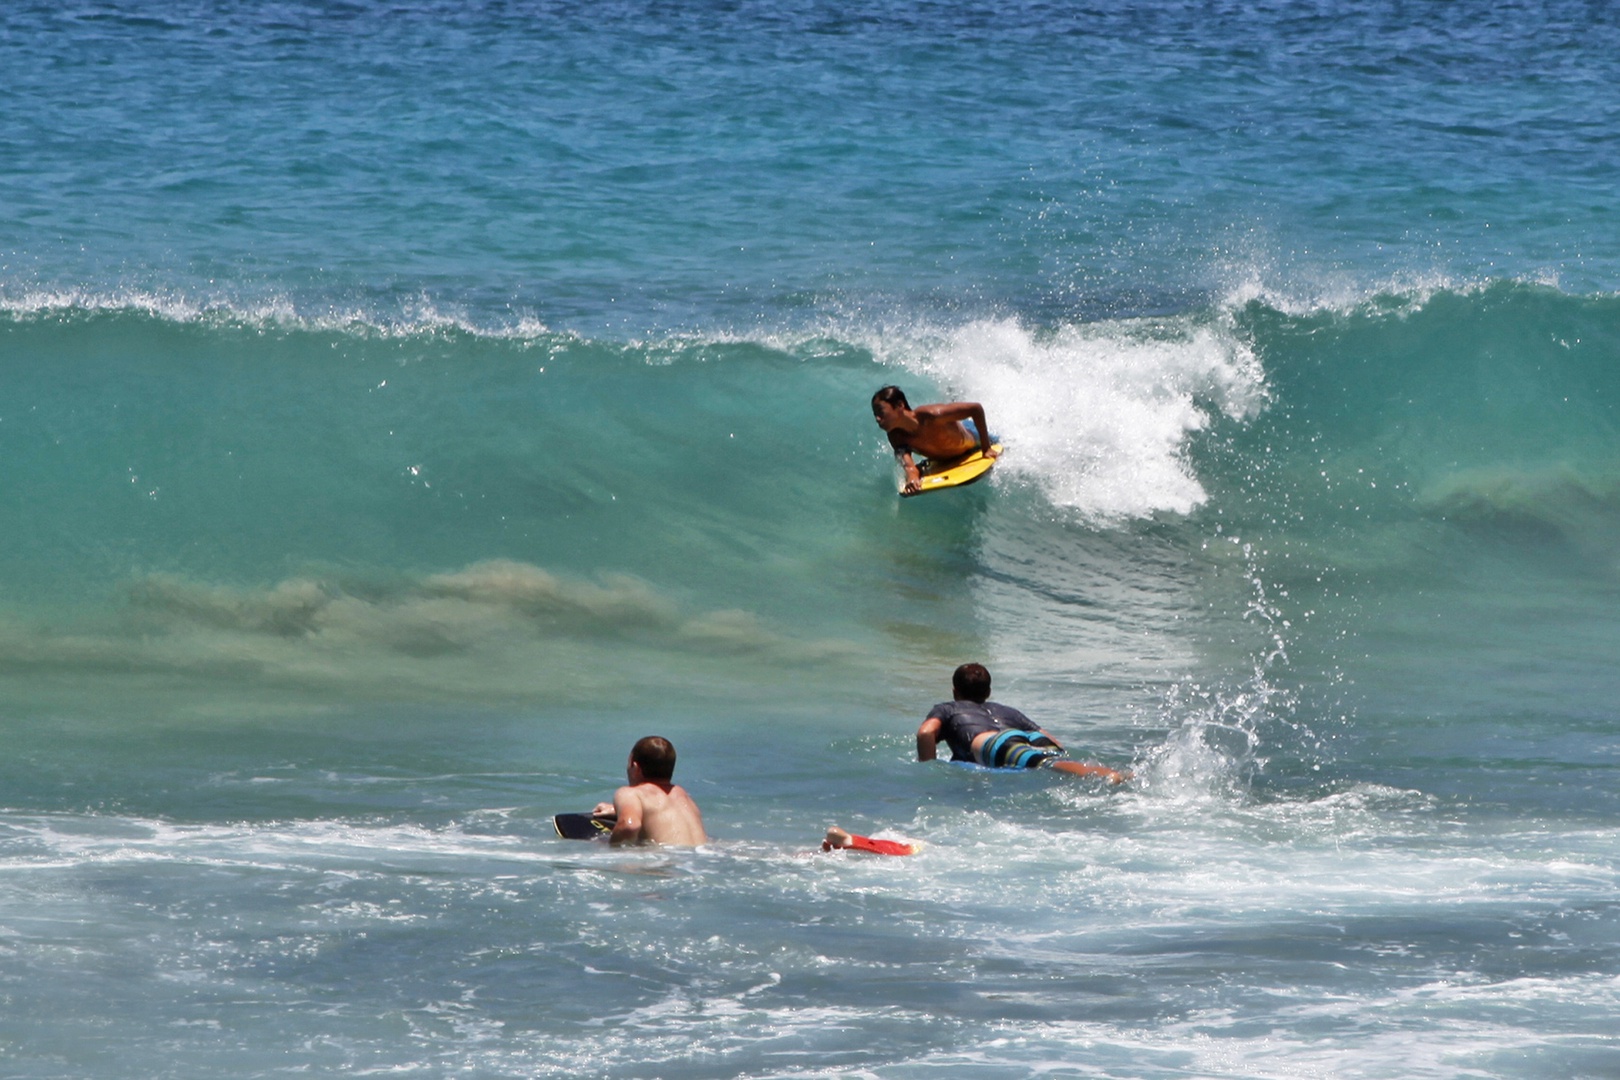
<point x="973" y="430"/>
<point x="1017" y="750"/>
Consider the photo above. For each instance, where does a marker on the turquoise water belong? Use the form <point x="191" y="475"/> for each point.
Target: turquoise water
<point x="407" y="406"/>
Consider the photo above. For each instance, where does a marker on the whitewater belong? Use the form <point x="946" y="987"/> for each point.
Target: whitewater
<point x="405" y="407"/>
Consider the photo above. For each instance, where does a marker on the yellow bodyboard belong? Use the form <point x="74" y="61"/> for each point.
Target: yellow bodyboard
<point x="939" y="475"/>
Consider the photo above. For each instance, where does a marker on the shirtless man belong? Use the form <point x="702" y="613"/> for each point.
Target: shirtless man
<point x="937" y="432"/>
<point x="652" y="809"/>
<point x="989" y="733"/>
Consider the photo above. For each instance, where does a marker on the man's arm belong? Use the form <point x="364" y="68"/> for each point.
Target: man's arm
<point x="928" y="739"/>
<point x="983" y="426"/>
<point x="913" y="474"/>
<point x="627" y="828"/>
<point x="902" y="451"/>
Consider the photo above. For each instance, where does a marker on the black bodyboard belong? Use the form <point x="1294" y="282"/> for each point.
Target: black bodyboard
<point x="582" y="827"/>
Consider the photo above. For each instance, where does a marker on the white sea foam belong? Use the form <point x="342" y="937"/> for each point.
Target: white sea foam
<point x="743" y="948"/>
<point x="1097" y="416"/>
<point x="35" y="841"/>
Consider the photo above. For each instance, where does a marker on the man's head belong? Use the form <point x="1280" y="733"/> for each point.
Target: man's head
<point x="890" y="395"/>
<point x="655" y="757"/>
<point x="887" y="406"/>
<point x="971" y="682"/>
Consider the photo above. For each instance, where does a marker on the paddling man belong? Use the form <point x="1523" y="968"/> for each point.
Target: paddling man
<point x="652" y="809"/>
<point x="989" y="733"/>
<point x="937" y="432"/>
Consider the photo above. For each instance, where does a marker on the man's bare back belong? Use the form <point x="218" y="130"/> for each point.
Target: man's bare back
<point x="652" y="808"/>
<point x="656" y="813"/>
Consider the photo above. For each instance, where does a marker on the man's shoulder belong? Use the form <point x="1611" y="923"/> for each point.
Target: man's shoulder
<point x="954" y="714"/>
<point x="949" y="411"/>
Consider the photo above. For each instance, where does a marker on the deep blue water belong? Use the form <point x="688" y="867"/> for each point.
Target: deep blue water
<point x="406" y="406"/>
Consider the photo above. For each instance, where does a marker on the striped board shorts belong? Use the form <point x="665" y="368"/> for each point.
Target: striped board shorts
<point x="1017" y="750"/>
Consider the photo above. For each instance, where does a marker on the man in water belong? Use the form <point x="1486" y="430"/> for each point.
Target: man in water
<point x="937" y="432"/>
<point x="652" y="809"/>
<point x="989" y="733"/>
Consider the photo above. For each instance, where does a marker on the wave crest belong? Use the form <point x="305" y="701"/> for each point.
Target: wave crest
<point x="420" y="316"/>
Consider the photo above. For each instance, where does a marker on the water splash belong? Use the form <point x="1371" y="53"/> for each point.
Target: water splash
<point x="1218" y="732"/>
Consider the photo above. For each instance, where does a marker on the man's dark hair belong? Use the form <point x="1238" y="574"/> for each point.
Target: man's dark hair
<point x="971" y="682"/>
<point x="656" y="757"/>
<point x="890" y="395"/>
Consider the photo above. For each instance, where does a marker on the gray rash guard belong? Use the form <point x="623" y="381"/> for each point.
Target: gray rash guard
<point x="963" y="721"/>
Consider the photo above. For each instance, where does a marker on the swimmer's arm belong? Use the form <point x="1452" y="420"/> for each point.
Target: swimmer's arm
<point x="928" y="739"/>
<point x="985" y="447"/>
<point x="983" y="427"/>
<point x="913" y="474"/>
<point x="627" y="828"/>
<point x="902" y="451"/>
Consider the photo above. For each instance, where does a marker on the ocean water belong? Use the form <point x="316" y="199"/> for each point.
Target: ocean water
<point x="405" y="406"/>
